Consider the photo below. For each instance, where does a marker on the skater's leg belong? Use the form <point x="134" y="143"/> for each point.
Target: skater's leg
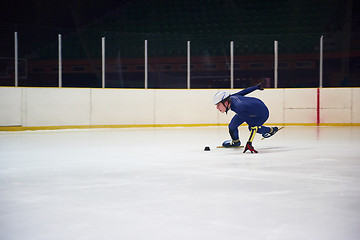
<point x="265" y="131"/>
<point x="236" y="121"/>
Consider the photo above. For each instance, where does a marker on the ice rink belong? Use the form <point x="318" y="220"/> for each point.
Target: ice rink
<point x="159" y="183"/>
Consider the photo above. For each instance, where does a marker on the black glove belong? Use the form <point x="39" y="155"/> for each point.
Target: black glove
<point x="260" y="85"/>
<point x="250" y="148"/>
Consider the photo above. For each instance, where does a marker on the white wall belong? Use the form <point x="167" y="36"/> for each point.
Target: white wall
<point x="185" y="107"/>
<point x="11" y="106"/>
<point x="122" y="106"/>
<point x="300" y="106"/>
<point x="336" y="105"/>
<point x="56" y="107"/>
<point x="355" y="105"/>
<point x="31" y="107"/>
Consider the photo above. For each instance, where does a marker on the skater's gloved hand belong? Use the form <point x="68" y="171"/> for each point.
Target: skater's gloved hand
<point x="250" y="148"/>
<point x="260" y="85"/>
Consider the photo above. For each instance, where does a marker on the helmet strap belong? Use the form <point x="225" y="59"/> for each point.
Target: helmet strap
<point x="226" y="107"/>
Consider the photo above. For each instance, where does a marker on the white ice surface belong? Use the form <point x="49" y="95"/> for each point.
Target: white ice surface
<point x="160" y="184"/>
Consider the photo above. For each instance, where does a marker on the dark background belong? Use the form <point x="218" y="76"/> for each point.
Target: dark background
<point x="210" y="25"/>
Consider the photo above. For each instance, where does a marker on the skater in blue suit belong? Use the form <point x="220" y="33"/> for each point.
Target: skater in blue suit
<point x="248" y="109"/>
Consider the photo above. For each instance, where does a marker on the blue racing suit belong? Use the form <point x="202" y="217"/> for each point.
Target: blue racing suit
<point x="248" y="109"/>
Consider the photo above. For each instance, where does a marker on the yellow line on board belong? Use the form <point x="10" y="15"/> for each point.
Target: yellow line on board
<point x="21" y="128"/>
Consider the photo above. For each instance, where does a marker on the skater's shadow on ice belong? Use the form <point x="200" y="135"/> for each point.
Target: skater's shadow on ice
<point x="276" y="149"/>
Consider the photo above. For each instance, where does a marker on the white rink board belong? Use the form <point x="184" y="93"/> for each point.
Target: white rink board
<point x="178" y="106"/>
<point x="355" y="105"/>
<point x="56" y="107"/>
<point x="36" y="107"/>
<point x="125" y="106"/>
<point x="335" y="116"/>
<point x="335" y="105"/>
<point x="10" y="106"/>
<point x="300" y="98"/>
<point x="302" y="115"/>
<point x="335" y="98"/>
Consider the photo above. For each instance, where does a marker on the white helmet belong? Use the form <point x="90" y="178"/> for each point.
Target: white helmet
<point x="220" y="96"/>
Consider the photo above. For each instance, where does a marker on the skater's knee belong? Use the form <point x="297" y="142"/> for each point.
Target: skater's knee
<point x="252" y="127"/>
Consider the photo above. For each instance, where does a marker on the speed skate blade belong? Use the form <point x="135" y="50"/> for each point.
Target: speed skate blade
<point x="230" y="147"/>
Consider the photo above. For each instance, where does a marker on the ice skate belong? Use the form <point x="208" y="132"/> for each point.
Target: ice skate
<point x="273" y="130"/>
<point x="231" y="143"/>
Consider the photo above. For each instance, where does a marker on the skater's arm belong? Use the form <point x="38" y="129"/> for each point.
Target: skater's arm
<point x="249" y="90"/>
